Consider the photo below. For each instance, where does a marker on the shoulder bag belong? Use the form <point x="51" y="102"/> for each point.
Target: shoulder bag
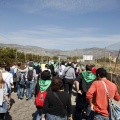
<point x="114" y="109"/>
<point x="3" y="104"/>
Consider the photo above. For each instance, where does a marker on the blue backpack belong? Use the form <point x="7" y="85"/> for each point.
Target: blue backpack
<point x="12" y="71"/>
<point x="8" y="88"/>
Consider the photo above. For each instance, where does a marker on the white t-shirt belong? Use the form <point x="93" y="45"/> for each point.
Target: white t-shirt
<point x="61" y="69"/>
<point x="8" y="78"/>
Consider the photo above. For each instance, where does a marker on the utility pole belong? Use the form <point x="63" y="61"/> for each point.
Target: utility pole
<point x="25" y="57"/>
<point x="16" y="56"/>
<point x="105" y="58"/>
<point x="116" y="60"/>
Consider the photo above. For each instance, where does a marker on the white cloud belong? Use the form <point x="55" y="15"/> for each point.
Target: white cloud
<point x="60" y="38"/>
<point x="80" y="6"/>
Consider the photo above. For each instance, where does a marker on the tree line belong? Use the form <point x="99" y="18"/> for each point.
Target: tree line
<point x="11" y="55"/>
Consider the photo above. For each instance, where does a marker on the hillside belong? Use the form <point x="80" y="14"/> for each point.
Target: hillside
<point x="96" y="52"/>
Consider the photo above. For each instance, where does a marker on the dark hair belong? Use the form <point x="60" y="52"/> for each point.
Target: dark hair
<point x="19" y="64"/>
<point x="62" y="63"/>
<point x="47" y="66"/>
<point x="45" y="75"/>
<point x="57" y="84"/>
<point x="7" y="68"/>
<point x="101" y="72"/>
<point x="89" y="67"/>
<point x="31" y="64"/>
<point x="69" y="64"/>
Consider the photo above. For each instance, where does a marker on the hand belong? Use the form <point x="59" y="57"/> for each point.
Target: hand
<point x="92" y="107"/>
<point x="12" y="86"/>
<point x="8" y="106"/>
<point x="42" y="118"/>
<point x="70" y="118"/>
<point x="79" y="91"/>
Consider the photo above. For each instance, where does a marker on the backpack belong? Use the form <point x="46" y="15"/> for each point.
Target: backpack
<point x="8" y="88"/>
<point x="12" y="72"/>
<point x="3" y="104"/>
<point x="22" y="80"/>
<point x="30" y="75"/>
<point x="39" y="100"/>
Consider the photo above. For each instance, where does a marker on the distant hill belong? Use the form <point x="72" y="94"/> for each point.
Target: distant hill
<point x="96" y="52"/>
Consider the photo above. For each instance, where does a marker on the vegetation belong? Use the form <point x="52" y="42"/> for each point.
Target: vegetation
<point x="11" y="55"/>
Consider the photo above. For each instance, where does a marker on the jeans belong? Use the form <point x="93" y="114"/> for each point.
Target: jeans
<point x="2" y="116"/>
<point x="29" y="89"/>
<point x="39" y="113"/>
<point x="53" y="117"/>
<point x="79" y="115"/>
<point x="4" y="107"/>
<point x="89" y="113"/>
<point x="20" y="91"/>
<point x="99" y="117"/>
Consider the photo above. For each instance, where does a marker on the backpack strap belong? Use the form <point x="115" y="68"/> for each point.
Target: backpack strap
<point x="7" y="77"/>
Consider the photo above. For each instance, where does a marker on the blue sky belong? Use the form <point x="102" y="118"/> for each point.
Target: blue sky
<point x="60" y="24"/>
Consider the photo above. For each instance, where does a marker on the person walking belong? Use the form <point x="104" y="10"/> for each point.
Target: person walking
<point x="69" y="77"/>
<point x="61" y="69"/>
<point x="30" y="80"/>
<point x="57" y="104"/>
<point x="42" y="85"/>
<point x="8" y="78"/>
<point x="82" y="84"/>
<point x="13" y="70"/>
<point x="4" y="101"/>
<point x="20" y="81"/>
<point x="97" y="96"/>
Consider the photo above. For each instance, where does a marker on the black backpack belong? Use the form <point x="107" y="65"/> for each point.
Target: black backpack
<point x="30" y="75"/>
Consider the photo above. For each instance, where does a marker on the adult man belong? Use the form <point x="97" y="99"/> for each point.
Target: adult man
<point x="82" y="84"/>
<point x="69" y="78"/>
<point x="97" y="96"/>
<point x="30" y="81"/>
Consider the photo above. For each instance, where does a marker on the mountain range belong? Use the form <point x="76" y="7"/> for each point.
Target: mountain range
<point x="96" y="52"/>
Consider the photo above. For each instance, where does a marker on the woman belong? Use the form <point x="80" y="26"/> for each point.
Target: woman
<point x="4" y="101"/>
<point x="42" y="85"/>
<point x="20" y="81"/>
<point x="57" y="107"/>
<point x="8" y="78"/>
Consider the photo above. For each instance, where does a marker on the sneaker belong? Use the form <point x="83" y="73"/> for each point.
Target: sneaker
<point x="21" y="97"/>
<point x="27" y="98"/>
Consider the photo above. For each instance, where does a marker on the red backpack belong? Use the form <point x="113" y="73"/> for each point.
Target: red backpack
<point x="39" y="100"/>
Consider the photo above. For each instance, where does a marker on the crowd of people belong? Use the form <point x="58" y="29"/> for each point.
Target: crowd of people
<point x="58" y="79"/>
